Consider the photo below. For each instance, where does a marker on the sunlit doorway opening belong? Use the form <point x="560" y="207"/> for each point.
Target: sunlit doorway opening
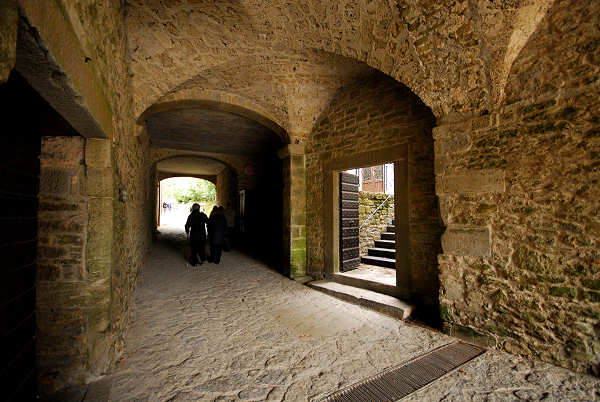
<point x="178" y="194"/>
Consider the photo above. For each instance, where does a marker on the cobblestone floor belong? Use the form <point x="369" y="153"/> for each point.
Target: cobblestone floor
<point x="241" y="331"/>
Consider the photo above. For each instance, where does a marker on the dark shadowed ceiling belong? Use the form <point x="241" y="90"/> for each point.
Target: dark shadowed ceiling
<point x="210" y="131"/>
<point x="191" y="165"/>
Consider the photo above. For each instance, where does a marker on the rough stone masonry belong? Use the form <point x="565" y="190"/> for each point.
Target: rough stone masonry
<point x="495" y="104"/>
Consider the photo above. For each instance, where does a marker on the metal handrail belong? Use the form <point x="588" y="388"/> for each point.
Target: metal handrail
<point x="374" y="212"/>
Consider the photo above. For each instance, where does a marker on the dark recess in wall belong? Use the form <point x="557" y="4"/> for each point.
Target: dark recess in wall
<point x="26" y="117"/>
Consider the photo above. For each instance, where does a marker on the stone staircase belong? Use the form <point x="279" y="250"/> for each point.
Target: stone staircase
<point x="384" y="252"/>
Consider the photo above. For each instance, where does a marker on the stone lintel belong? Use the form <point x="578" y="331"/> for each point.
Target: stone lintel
<point x="55" y="63"/>
<point x="291" y="150"/>
<point x="467" y="240"/>
<point x="480" y="181"/>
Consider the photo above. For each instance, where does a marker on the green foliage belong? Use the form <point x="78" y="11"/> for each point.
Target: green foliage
<point x="200" y="191"/>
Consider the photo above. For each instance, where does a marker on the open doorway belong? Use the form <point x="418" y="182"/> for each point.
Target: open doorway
<point x="367" y="230"/>
<point x="368" y="244"/>
<point x="176" y="196"/>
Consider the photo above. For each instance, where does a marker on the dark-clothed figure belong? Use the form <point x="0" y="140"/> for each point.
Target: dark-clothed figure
<point x="217" y="231"/>
<point x="195" y="228"/>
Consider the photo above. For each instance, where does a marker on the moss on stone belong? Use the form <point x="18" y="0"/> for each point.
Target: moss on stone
<point x="466" y="332"/>
<point x="532" y="261"/>
<point x="486" y="280"/>
<point x="499" y="295"/>
<point x="592" y="296"/>
<point x="579" y="270"/>
<point x="486" y="208"/>
<point x="591" y="283"/>
<point x="550" y="279"/>
<point x="500" y="331"/>
<point x="590" y="312"/>
<point x="445" y="312"/>
<point x="533" y="317"/>
<point x="563" y="291"/>
<point x="481" y="267"/>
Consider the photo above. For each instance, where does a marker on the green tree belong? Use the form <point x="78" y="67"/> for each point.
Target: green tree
<point x="200" y="191"/>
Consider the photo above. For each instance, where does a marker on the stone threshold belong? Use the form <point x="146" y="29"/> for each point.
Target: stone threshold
<point x="385" y="304"/>
<point x="369" y="284"/>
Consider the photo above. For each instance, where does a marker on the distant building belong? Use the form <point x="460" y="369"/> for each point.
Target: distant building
<point x="376" y="179"/>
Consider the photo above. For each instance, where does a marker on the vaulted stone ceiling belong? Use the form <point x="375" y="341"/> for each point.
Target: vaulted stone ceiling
<point x="210" y="131"/>
<point x="288" y="58"/>
<point x="191" y="165"/>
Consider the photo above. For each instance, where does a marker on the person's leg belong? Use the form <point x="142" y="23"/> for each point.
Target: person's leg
<point x="213" y="252"/>
<point x="217" y="256"/>
<point x="193" y="252"/>
<point x="201" y="250"/>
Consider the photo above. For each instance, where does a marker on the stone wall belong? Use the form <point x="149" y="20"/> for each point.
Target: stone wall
<point x="373" y="114"/>
<point x="227" y="189"/>
<point x="87" y="39"/>
<point x="63" y="283"/>
<point x="519" y="191"/>
<point x="367" y="203"/>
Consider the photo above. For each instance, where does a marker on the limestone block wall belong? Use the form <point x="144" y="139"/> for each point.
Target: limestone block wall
<point x="294" y="215"/>
<point x="101" y="33"/>
<point x="367" y="203"/>
<point x="371" y="114"/>
<point x="226" y="187"/>
<point x="519" y="191"/>
<point x="88" y="41"/>
<point x="62" y="300"/>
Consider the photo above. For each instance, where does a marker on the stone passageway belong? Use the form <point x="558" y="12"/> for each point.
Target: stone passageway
<point x="241" y="331"/>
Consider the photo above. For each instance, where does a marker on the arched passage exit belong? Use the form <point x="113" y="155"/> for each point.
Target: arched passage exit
<point x="250" y="185"/>
<point x="176" y="196"/>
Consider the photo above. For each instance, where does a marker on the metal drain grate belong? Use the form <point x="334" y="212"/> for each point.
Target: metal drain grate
<point x="397" y="382"/>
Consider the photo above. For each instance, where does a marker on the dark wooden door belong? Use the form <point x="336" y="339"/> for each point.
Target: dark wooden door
<point x="349" y="254"/>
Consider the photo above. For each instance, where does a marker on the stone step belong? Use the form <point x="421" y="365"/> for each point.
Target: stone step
<point x="362" y="283"/>
<point x="382" y="252"/>
<point x="376" y="301"/>
<point x="391" y="229"/>
<point x="379" y="261"/>
<point x="385" y="244"/>
<point x="388" y="236"/>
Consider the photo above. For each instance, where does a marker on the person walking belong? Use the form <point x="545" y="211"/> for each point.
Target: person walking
<point x="217" y="230"/>
<point x="195" y="229"/>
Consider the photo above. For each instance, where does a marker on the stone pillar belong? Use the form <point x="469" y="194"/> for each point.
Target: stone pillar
<point x="62" y="297"/>
<point x="9" y="16"/>
<point x="294" y="210"/>
<point x="99" y="252"/>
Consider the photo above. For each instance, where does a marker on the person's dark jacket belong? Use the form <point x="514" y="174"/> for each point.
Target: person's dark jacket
<point x="217" y="229"/>
<point x="195" y="225"/>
